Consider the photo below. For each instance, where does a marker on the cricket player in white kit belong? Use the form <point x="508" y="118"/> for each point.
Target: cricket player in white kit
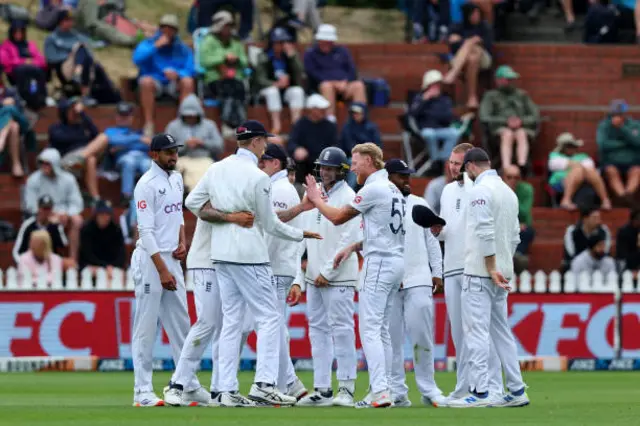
<point x="244" y="275"/>
<point x="382" y="207"/>
<point x="155" y="264"/>
<point x="493" y="233"/>
<point x="413" y="303"/>
<point x="330" y="292"/>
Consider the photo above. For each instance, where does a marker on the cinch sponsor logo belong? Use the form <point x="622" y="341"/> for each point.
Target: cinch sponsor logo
<point x="279" y="205"/>
<point x="479" y="202"/>
<point x="172" y="208"/>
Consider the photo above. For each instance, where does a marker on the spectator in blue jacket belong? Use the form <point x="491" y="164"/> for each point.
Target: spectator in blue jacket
<point x="358" y="129"/>
<point x="165" y="67"/>
<point x="130" y="150"/>
<point x="332" y="69"/>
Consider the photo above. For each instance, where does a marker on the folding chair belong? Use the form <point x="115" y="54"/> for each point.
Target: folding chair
<point x="420" y="162"/>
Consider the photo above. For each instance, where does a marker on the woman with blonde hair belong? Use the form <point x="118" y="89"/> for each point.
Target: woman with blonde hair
<point x="39" y="260"/>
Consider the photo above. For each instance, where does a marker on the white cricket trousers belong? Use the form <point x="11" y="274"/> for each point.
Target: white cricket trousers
<point x="413" y="312"/>
<point x="484" y="318"/>
<point x="286" y="372"/>
<point x="154" y="303"/>
<point x="206" y="329"/>
<point x="242" y="287"/>
<point x="293" y="96"/>
<point x="379" y="279"/>
<point x="332" y="332"/>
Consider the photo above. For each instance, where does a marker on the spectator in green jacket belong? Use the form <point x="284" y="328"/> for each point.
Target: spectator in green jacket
<point x="618" y="139"/>
<point x="510" y="115"/>
<point x="524" y="192"/>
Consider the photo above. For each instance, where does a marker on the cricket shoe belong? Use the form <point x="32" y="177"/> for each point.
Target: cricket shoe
<point x="215" y="399"/>
<point x="297" y="390"/>
<point x="470" y="401"/>
<point x="317" y="399"/>
<point x="147" y="399"/>
<point x="172" y="396"/>
<point x="511" y="400"/>
<point x="234" y="399"/>
<point x="401" y="402"/>
<point x="197" y="398"/>
<point x="380" y="399"/>
<point x="344" y="398"/>
<point x="438" y="401"/>
<point x="270" y="395"/>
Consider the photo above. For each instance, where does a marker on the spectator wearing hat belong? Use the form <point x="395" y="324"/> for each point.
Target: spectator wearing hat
<point x="129" y="148"/>
<point x="166" y="68"/>
<point x="628" y="243"/>
<point x="570" y="169"/>
<point x="311" y="134"/>
<point x="201" y="139"/>
<point x="101" y="241"/>
<point x="207" y="9"/>
<point x="511" y="115"/>
<point x="618" y="139"/>
<point x="331" y="68"/>
<point x="594" y="258"/>
<point x="358" y="129"/>
<point x="471" y="44"/>
<point x="40" y="261"/>
<point x="279" y="76"/>
<point x="433" y="113"/>
<point x="40" y="221"/>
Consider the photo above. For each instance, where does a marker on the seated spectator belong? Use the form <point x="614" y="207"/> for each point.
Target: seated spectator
<point x="524" y="192"/>
<point x="41" y="220"/>
<point x="618" y="139"/>
<point x="569" y="15"/>
<point x="311" y="134"/>
<point x="130" y="150"/>
<point x="471" y="44"/>
<point x="39" y="261"/>
<point x="601" y="23"/>
<point x="358" y="129"/>
<point x="279" y="76"/>
<point x="332" y="69"/>
<point x="101" y="241"/>
<point x="512" y="116"/>
<point x="570" y="169"/>
<point x="431" y="20"/>
<point x="24" y="66"/>
<point x="50" y="179"/>
<point x="245" y="8"/>
<point x="627" y="16"/>
<point x="628" y="243"/>
<point x="433" y="113"/>
<point x="223" y="58"/>
<point x="78" y="141"/>
<point x="576" y="238"/>
<point x="68" y="52"/>
<point x="13" y="124"/>
<point x="593" y="259"/>
<point x="165" y="66"/>
<point x="433" y="191"/>
<point x="201" y="139"/>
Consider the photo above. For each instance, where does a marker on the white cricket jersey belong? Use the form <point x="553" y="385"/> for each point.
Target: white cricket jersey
<point x="422" y="255"/>
<point x="284" y="254"/>
<point x="383" y="209"/>
<point x="453" y="207"/>
<point x="492" y="226"/>
<point x="199" y="256"/>
<point x="158" y="198"/>
<point x="320" y="253"/>
<point x="237" y="184"/>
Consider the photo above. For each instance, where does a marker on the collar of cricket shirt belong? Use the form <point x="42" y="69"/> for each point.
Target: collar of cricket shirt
<point x="334" y="188"/>
<point x="245" y="153"/>
<point x="280" y="175"/>
<point x="157" y="170"/>
<point x="490" y="172"/>
<point x="380" y="174"/>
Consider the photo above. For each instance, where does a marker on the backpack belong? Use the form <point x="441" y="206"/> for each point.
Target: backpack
<point x="378" y="91"/>
<point x="33" y="87"/>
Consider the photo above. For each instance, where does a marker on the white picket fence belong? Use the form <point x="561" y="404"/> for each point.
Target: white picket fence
<point x="527" y="283"/>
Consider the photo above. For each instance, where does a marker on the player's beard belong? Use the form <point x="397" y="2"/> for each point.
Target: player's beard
<point x="406" y="190"/>
<point x="360" y="179"/>
<point x="459" y="177"/>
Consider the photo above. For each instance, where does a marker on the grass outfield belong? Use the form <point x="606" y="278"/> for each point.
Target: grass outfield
<point x="85" y="399"/>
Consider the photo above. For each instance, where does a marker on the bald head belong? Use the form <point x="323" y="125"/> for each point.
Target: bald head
<point x="511" y="175"/>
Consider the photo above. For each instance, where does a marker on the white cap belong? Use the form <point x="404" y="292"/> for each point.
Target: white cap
<point x="327" y="32"/>
<point x="431" y="77"/>
<point x="317" y="101"/>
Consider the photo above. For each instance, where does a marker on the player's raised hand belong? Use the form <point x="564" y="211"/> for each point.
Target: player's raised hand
<point x="313" y="192"/>
<point x="180" y="253"/>
<point x="312" y="235"/>
<point x="244" y="219"/>
<point x="167" y="280"/>
<point x="499" y="280"/>
<point x="294" y="295"/>
<point x="306" y="203"/>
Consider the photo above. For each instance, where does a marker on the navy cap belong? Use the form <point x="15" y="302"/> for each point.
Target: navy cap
<point x="275" y="152"/>
<point x="124" y="108"/>
<point x="163" y="141"/>
<point x="45" y="201"/>
<point x="425" y="217"/>
<point x="279" y="35"/>
<point x="475" y="155"/>
<point x="398" y="166"/>
<point x="251" y="129"/>
<point x="103" y="206"/>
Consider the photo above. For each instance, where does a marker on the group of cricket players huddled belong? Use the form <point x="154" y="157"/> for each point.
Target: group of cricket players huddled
<point x="251" y="233"/>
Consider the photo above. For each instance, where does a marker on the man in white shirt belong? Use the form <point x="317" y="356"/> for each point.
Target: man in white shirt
<point x="155" y="265"/>
<point x="492" y="236"/>
<point x="242" y="266"/>
<point x="413" y="303"/>
<point x="594" y="258"/>
<point x="382" y="207"/>
<point x="330" y="292"/>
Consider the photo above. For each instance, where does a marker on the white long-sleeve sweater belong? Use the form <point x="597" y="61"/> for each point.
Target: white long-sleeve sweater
<point x="453" y="209"/>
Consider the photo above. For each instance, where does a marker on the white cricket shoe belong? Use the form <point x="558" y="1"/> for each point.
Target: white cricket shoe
<point x="401" y="402"/>
<point x="317" y="399"/>
<point x="147" y="399"/>
<point x="344" y="398"/>
<point x="197" y="398"/>
<point x="297" y="389"/>
<point x="234" y="399"/>
<point x="470" y="401"/>
<point x="172" y="396"/>
<point x="511" y="400"/>
<point x="380" y="399"/>
<point x="438" y="401"/>
<point x="215" y="399"/>
<point x="270" y="395"/>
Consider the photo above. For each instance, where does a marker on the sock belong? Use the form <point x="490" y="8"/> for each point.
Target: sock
<point x="481" y="395"/>
<point x="349" y="385"/>
<point x="175" y="386"/>
<point x="214" y="394"/>
<point x="326" y="392"/>
<point x="519" y="392"/>
<point x="262" y="385"/>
